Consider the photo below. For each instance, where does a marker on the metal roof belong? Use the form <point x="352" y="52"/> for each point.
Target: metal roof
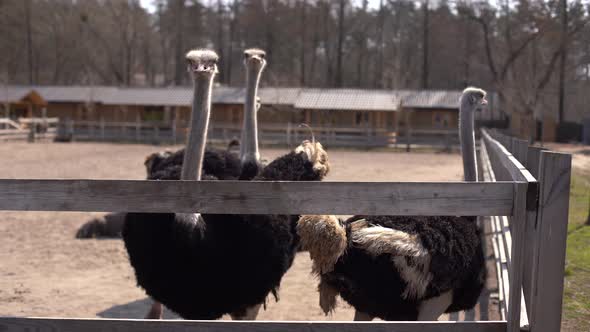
<point x="279" y="96"/>
<point x="429" y="98"/>
<point x="302" y="98"/>
<point x="347" y="99"/>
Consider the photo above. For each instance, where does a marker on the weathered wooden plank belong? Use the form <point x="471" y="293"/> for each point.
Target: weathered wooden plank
<point x="516" y="170"/>
<point x="549" y="259"/>
<point x="75" y="325"/>
<point x="239" y="197"/>
<point x="532" y="164"/>
<point x="500" y="172"/>
<point x="520" y="150"/>
<point x="503" y="251"/>
<point x="518" y="223"/>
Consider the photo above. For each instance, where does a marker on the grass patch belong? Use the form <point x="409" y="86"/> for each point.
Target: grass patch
<point x="576" y="302"/>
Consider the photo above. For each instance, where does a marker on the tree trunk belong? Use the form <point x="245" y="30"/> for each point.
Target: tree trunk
<point x="562" y="60"/>
<point x="303" y="42"/>
<point x="340" y="43"/>
<point x="27" y="4"/>
<point x="425" y="34"/>
<point x="232" y="31"/>
<point x="220" y="42"/>
<point x="178" y="43"/>
<point x="378" y="81"/>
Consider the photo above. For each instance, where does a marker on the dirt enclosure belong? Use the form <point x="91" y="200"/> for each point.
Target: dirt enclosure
<point x="45" y="271"/>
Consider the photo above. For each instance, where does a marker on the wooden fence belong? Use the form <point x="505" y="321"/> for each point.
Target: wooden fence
<point x="513" y="194"/>
<point x="536" y="246"/>
<point x="269" y="134"/>
<point x="28" y="129"/>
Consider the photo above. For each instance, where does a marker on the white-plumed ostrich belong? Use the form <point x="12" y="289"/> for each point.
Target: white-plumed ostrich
<point x="204" y="266"/>
<point x="402" y="267"/>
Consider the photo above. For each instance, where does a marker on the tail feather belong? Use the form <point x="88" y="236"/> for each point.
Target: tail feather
<point x="408" y="255"/>
<point x="325" y="239"/>
<point x="378" y="240"/>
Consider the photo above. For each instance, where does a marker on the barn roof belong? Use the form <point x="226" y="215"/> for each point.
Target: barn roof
<point x="429" y="98"/>
<point x="12" y="94"/>
<point x="347" y="99"/>
<point x="302" y="98"/>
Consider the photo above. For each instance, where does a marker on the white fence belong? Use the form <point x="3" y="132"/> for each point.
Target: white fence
<point x="28" y="129"/>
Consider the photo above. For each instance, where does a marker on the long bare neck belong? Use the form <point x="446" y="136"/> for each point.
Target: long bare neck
<point x="467" y="138"/>
<point x="249" y="146"/>
<point x="195" y="146"/>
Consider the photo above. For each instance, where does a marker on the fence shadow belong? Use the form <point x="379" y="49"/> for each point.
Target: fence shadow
<point x="133" y="310"/>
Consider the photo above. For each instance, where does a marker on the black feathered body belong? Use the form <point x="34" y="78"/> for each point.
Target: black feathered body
<point x="220" y="264"/>
<point x="373" y="285"/>
<point x="221" y="164"/>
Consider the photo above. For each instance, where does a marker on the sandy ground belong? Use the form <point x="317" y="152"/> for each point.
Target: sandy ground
<point x="44" y="271"/>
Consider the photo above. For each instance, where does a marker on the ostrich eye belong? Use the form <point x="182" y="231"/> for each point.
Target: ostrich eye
<point x="262" y="56"/>
<point x="246" y="55"/>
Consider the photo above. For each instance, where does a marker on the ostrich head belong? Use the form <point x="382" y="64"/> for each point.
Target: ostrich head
<point x="315" y="153"/>
<point x="472" y="100"/>
<point x="474" y="97"/>
<point x="201" y="63"/>
<point x="255" y="58"/>
<point x="154" y="159"/>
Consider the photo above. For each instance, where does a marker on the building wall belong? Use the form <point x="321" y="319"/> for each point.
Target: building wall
<point x="524" y="126"/>
<point x="434" y="119"/>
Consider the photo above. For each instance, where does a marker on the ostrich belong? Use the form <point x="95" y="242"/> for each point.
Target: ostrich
<point x="402" y="267"/>
<point x="224" y="165"/>
<point x="217" y="164"/>
<point x="254" y="60"/>
<point x="204" y="266"/>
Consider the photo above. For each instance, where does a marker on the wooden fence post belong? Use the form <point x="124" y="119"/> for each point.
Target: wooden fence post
<point x="102" y="134"/>
<point x="32" y="126"/>
<point x="137" y="127"/>
<point x="289" y="134"/>
<point x="515" y="271"/>
<point x="532" y="164"/>
<point x="174" y="131"/>
<point x="549" y="259"/>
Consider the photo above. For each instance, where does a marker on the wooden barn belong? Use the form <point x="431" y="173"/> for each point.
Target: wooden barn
<point x="340" y="116"/>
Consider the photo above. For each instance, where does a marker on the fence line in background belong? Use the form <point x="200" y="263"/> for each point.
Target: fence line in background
<point x="269" y="134"/>
<point x="28" y="129"/>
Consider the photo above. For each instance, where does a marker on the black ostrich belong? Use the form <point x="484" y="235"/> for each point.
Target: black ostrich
<point x="218" y="164"/>
<point x="402" y="267"/>
<point x="204" y="266"/>
<point x="224" y="164"/>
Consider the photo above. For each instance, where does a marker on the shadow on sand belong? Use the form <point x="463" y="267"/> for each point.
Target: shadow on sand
<point x="133" y="310"/>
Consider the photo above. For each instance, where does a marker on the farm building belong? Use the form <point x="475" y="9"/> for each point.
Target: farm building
<point x="379" y="116"/>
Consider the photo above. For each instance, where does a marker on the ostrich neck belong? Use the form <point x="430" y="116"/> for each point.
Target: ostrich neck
<point x="467" y="138"/>
<point x="249" y="145"/>
<point x="195" y="146"/>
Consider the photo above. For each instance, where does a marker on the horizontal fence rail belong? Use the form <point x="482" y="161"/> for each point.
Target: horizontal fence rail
<point x="268" y="134"/>
<point x="90" y="325"/>
<point x="239" y="197"/>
